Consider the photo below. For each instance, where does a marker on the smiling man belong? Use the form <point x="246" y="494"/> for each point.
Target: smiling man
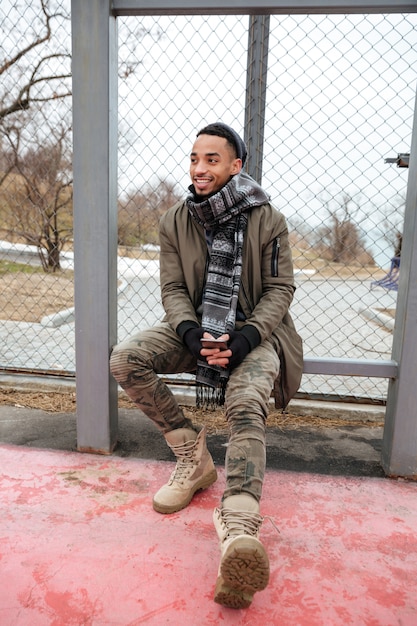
<point x="226" y="274"/>
<point x="213" y="163"/>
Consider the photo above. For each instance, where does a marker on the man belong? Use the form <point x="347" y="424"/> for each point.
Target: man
<point x="226" y="273"/>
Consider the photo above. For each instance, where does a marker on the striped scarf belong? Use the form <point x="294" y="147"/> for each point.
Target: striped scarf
<point x="224" y="216"/>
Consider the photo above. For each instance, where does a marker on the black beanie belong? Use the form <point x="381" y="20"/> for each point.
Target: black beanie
<point x="228" y="133"/>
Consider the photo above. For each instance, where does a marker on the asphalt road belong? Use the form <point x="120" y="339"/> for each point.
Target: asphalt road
<point x="347" y="451"/>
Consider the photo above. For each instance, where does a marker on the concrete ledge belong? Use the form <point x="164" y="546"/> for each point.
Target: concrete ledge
<point x="338" y="410"/>
<point x="379" y="318"/>
<point x="67" y="316"/>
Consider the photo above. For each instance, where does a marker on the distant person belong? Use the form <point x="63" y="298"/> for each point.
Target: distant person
<point x="226" y="273"/>
<point x="397" y="251"/>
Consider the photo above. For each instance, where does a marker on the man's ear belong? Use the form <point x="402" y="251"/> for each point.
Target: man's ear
<point x="236" y="166"/>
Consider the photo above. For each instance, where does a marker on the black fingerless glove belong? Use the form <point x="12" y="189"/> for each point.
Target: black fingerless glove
<point x="241" y="343"/>
<point x="191" y="339"/>
<point x="239" y="346"/>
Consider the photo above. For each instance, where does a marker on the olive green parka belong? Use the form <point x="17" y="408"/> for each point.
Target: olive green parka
<point x="266" y="290"/>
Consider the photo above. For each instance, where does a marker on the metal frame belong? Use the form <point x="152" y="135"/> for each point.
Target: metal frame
<point x="94" y="71"/>
<point x="95" y="209"/>
<point x="256" y="77"/>
<point x="252" y="7"/>
<point x="399" y="449"/>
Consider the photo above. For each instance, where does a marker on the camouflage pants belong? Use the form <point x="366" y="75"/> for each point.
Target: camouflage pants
<point x="136" y="363"/>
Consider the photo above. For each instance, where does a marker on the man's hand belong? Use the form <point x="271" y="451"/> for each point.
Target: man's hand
<point x="214" y="356"/>
<point x="217" y="356"/>
<point x="192" y="341"/>
<point x="238" y="348"/>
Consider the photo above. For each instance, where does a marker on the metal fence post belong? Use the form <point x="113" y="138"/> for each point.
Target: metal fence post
<point x="257" y="68"/>
<point x="94" y="68"/>
<point x="399" y="450"/>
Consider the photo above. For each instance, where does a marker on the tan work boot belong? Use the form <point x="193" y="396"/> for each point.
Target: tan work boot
<point x="244" y="565"/>
<point x="194" y="470"/>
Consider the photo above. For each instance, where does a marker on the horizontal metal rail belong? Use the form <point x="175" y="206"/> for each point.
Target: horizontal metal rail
<point x="255" y="7"/>
<point x="312" y="365"/>
<point x="350" y="367"/>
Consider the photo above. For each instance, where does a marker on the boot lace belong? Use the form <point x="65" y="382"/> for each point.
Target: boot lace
<point x="186" y="460"/>
<point x="243" y="522"/>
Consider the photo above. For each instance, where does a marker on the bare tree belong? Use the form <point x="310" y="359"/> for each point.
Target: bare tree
<point x="35" y="62"/>
<point x="7" y="162"/>
<point x="39" y="82"/>
<point x="339" y="239"/>
<point x="140" y="212"/>
<point x="35" y="122"/>
<point x="39" y="194"/>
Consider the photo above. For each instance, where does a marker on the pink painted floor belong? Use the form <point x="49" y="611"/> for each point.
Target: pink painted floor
<point x="81" y="545"/>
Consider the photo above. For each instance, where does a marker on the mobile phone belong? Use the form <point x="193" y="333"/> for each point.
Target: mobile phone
<point x="214" y="343"/>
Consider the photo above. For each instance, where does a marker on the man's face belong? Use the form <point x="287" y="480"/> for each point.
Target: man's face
<point x="213" y="162"/>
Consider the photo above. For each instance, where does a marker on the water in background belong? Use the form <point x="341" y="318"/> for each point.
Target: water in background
<point x="380" y="248"/>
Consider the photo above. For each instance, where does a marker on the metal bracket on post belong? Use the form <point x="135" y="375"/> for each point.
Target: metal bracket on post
<point x="257" y="69"/>
<point x="399" y="448"/>
<point x="402" y="160"/>
<point x="94" y="70"/>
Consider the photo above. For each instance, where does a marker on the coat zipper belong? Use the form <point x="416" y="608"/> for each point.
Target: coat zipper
<point x="275" y="256"/>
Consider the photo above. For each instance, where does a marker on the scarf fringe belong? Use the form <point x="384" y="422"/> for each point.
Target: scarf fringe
<point x="210" y="398"/>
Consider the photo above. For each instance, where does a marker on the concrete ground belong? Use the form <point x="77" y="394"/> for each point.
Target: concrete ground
<point x="81" y="545"/>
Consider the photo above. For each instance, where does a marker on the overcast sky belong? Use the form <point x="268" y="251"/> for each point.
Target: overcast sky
<point x="341" y="95"/>
<point x="340" y="99"/>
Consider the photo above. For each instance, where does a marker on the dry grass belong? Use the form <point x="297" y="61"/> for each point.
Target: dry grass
<point x="65" y="402"/>
<point x="30" y="297"/>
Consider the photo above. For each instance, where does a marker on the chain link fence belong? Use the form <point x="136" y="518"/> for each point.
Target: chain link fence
<point x="36" y="278"/>
<point x="339" y="102"/>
